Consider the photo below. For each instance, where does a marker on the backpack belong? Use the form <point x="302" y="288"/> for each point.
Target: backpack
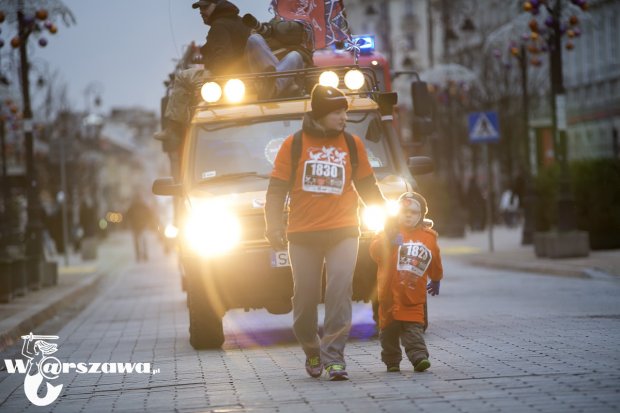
<point x="296" y="154"/>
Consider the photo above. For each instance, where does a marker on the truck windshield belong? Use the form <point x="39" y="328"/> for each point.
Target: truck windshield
<point x="230" y="147"/>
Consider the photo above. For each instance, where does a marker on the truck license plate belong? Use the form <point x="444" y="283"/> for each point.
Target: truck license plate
<point x="279" y="259"/>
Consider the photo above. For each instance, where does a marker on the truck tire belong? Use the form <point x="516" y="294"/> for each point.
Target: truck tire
<point x="205" y="324"/>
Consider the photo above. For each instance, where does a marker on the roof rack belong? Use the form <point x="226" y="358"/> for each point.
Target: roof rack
<point x="306" y="79"/>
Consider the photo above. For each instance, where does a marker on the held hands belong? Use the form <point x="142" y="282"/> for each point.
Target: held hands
<point x="277" y="239"/>
<point x="433" y="287"/>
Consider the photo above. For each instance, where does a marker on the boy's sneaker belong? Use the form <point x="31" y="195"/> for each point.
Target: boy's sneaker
<point x="337" y="372"/>
<point x="314" y="366"/>
<point x="393" y="368"/>
<point x="421" y="365"/>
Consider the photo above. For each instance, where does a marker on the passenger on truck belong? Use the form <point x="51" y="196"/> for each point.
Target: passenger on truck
<point x="232" y="47"/>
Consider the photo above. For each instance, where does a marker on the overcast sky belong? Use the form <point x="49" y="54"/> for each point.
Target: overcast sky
<point x="126" y="48"/>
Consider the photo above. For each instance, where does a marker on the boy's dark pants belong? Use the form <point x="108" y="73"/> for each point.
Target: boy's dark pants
<point x="412" y="337"/>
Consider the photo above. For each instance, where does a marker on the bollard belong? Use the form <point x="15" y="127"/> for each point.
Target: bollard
<point x="6" y="290"/>
<point x="50" y="273"/>
<point x="19" y="277"/>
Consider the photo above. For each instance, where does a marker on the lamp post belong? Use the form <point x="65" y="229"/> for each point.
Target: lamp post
<point x="30" y="20"/>
<point x="554" y="29"/>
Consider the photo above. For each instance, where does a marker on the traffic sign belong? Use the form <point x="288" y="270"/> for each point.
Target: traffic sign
<point x="483" y="127"/>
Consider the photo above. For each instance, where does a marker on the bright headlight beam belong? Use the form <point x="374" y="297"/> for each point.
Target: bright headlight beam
<point x="374" y="217"/>
<point x="354" y="79"/>
<point x="212" y="231"/>
<point x="234" y="90"/>
<point x="211" y="92"/>
<point x="329" y="78"/>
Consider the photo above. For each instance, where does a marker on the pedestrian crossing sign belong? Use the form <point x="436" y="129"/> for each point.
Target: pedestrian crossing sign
<point x="483" y="127"/>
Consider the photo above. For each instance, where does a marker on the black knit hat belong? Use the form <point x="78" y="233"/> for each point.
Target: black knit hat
<point x="326" y="99"/>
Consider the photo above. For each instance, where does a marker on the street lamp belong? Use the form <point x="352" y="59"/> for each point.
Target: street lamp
<point x="557" y="25"/>
<point x="509" y="41"/>
<point x="32" y="21"/>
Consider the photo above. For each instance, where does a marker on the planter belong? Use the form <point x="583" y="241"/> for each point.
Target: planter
<point x="6" y="290"/>
<point x="34" y="269"/>
<point x="562" y="244"/>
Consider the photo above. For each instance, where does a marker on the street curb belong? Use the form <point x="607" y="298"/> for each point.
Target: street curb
<point x="13" y="333"/>
<point x="530" y="268"/>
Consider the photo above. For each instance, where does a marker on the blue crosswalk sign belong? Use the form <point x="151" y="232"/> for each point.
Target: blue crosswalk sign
<point x="483" y="127"/>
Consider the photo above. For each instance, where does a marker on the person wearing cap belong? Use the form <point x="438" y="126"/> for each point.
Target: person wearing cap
<point x="407" y="255"/>
<point x="323" y="225"/>
<point x="231" y="48"/>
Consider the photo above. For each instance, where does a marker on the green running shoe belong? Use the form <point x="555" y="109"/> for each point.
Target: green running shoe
<point x="393" y="368"/>
<point x="337" y="372"/>
<point x="314" y="367"/>
<point x="421" y="365"/>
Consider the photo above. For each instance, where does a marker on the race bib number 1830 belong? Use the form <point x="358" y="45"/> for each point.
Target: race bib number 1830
<point x="323" y="177"/>
<point x="414" y="257"/>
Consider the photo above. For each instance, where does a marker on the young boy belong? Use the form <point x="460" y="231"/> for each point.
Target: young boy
<point x="407" y="254"/>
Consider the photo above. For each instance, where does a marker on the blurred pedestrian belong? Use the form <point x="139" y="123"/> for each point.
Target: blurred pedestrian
<point x="509" y="207"/>
<point x="140" y="218"/>
<point x="317" y="167"/>
<point x="408" y="255"/>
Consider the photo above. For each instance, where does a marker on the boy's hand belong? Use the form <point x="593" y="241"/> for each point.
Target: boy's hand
<point x="391" y="231"/>
<point x="433" y="287"/>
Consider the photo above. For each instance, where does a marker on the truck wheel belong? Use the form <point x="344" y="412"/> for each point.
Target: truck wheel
<point x="205" y="324"/>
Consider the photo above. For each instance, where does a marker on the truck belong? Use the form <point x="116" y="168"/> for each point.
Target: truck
<point x="224" y="169"/>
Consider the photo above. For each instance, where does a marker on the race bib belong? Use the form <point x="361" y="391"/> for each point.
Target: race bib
<point x="323" y="177"/>
<point x="414" y="257"/>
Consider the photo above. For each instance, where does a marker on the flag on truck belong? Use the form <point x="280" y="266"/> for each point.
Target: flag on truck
<point x="325" y="20"/>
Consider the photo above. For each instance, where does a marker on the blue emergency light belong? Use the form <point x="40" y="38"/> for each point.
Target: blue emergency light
<point x="366" y="43"/>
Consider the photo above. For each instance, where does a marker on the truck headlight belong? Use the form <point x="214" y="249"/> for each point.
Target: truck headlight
<point x="354" y="79"/>
<point x="171" y="231"/>
<point x="211" y="92"/>
<point x="329" y="78"/>
<point x="374" y="216"/>
<point x="211" y="231"/>
<point x="234" y="90"/>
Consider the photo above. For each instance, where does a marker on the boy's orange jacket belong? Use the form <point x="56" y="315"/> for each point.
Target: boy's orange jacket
<point x="402" y="293"/>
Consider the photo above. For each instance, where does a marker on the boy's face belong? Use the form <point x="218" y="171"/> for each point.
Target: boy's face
<point x="410" y="215"/>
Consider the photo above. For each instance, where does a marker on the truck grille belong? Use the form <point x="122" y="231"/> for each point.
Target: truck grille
<point x="252" y="227"/>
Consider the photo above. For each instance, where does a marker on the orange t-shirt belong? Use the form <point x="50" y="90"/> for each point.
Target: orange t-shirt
<point x="403" y="272"/>
<point x="322" y="196"/>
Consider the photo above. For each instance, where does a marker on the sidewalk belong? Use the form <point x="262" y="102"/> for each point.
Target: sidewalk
<point x="509" y="254"/>
<point x="24" y="313"/>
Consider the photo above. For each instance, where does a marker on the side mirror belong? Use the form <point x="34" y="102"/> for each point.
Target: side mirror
<point x="420" y="165"/>
<point x="166" y="187"/>
<point x="386" y="101"/>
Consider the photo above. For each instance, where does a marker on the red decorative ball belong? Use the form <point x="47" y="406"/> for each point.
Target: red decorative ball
<point x="573" y="20"/>
<point x="16" y="42"/>
<point x="41" y="14"/>
<point x="533" y="25"/>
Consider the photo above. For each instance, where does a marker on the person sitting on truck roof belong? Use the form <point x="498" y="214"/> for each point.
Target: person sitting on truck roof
<point x="231" y="48"/>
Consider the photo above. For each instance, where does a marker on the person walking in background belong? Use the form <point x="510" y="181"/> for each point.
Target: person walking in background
<point x="140" y="218"/>
<point x="323" y="224"/>
<point x="407" y="255"/>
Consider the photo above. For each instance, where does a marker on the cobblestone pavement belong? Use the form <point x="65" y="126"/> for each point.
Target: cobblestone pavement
<point x="499" y="341"/>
